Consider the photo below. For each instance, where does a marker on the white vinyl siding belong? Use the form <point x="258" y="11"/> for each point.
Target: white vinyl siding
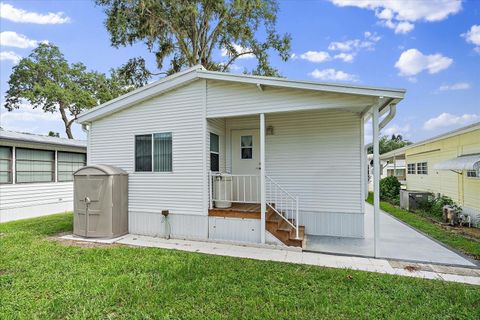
<point x="112" y="141"/>
<point x="233" y="99"/>
<point x="26" y="200"/>
<point x="305" y="155"/>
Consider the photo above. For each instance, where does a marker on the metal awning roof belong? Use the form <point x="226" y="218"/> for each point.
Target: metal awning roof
<point x="468" y="162"/>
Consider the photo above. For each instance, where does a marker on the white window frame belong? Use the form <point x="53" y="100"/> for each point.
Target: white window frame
<point x="214" y="152"/>
<point x="53" y="165"/>
<point x="422" y="168"/>
<point x="477" y="175"/>
<point x="58" y="162"/>
<point x="242" y="147"/>
<point x="411" y="168"/>
<point x="153" y="154"/>
<point x="10" y="165"/>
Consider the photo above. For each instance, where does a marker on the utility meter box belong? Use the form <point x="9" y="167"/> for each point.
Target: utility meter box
<point x="100" y="202"/>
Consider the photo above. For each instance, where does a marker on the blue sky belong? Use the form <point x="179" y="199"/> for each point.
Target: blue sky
<point x="431" y="48"/>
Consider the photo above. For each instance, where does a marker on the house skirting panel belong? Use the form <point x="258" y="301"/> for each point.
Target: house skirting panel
<point x="35" y="210"/>
<point x="234" y="229"/>
<point x="184" y="226"/>
<point x="333" y="224"/>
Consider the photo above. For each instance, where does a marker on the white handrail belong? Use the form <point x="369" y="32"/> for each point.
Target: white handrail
<point x="283" y="203"/>
<point x="245" y="188"/>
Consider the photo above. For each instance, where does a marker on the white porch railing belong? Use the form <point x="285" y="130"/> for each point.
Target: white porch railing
<point x="283" y="203"/>
<point x="241" y="188"/>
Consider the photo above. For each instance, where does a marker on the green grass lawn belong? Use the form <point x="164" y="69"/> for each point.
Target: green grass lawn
<point x="457" y="241"/>
<point x="44" y="279"/>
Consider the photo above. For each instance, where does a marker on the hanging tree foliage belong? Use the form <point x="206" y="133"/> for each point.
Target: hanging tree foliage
<point x="189" y="32"/>
<point x="46" y="80"/>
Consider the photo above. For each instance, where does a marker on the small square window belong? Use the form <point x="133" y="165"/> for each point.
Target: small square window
<point x="422" y="168"/>
<point x="246" y="145"/>
<point x="472" y="174"/>
<point x="411" y="168"/>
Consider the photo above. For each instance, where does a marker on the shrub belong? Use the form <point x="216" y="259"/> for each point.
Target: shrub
<point x="434" y="205"/>
<point x="389" y="188"/>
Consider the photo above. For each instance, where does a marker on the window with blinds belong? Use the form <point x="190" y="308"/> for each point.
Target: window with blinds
<point x="153" y="152"/>
<point x="143" y="152"/>
<point x="34" y="165"/>
<point x="5" y="165"/>
<point x="68" y="163"/>
<point x="162" y="152"/>
<point x="214" y="152"/>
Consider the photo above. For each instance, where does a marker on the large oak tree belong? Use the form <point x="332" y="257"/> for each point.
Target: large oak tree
<point x="190" y="32"/>
<point x="46" y="80"/>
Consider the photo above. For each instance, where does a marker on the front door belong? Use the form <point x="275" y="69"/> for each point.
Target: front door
<point x="246" y="163"/>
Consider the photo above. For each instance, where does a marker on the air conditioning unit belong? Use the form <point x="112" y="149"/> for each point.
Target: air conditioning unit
<point x="411" y="200"/>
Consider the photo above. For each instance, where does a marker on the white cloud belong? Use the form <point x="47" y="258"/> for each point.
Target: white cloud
<point x="396" y="130"/>
<point x="315" y="56"/>
<point x="404" y="27"/>
<point x="332" y="75"/>
<point x="26" y="114"/>
<point x="399" y="14"/>
<point x="9" y="56"/>
<point x="17" y="40"/>
<point x="346" y="57"/>
<point x="239" y="49"/>
<point x="473" y="36"/>
<point x="412" y="62"/>
<point x="9" y="12"/>
<point x="447" y="119"/>
<point x="455" y="86"/>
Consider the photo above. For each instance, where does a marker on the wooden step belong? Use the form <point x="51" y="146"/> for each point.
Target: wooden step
<point x="282" y="230"/>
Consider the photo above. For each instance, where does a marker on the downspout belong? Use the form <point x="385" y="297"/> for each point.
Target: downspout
<point x="390" y="115"/>
<point x="86" y="129"/>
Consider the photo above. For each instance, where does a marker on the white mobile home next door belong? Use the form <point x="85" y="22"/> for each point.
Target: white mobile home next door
<point x="246" y="163"/>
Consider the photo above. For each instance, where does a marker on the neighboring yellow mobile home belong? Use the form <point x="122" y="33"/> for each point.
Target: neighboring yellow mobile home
<point x="448" y="164"/>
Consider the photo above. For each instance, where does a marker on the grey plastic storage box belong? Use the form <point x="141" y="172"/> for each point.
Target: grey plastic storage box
<point x="100" y="202"/>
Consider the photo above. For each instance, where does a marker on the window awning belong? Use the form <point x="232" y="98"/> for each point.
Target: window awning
<point x="470" y="162"/>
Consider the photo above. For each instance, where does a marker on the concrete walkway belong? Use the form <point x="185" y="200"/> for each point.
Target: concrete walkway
<point x="271" y="253"/>
<point x="397" y="241"/>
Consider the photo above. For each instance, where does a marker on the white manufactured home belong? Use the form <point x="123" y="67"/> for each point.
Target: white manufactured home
<point x="238" y="157"/>
<point x="36" y="174"/>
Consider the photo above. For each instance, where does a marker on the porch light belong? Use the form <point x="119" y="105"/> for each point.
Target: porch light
<point x="270" y="131"/>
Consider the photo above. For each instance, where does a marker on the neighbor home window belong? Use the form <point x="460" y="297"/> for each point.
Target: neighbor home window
<point x="34" y="165"/>
<point x="411" y="168"/>
<point x="68" y="163"/>
<point x="161" y="157"/>
<point x="5" y="164"/>
<point x="472" y="174"/>
<point x="214" y="152"/>
<point x="422" y="168"/>
<point x="246" y="147"/>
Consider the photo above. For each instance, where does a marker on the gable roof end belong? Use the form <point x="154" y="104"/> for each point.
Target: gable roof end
<point x="199" y="72"/>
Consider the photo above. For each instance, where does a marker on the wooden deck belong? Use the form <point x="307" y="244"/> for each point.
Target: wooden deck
<point x="237" y="210"/>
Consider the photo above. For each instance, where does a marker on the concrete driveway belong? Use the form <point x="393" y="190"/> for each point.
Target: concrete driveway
<point x="397" y="241"/>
